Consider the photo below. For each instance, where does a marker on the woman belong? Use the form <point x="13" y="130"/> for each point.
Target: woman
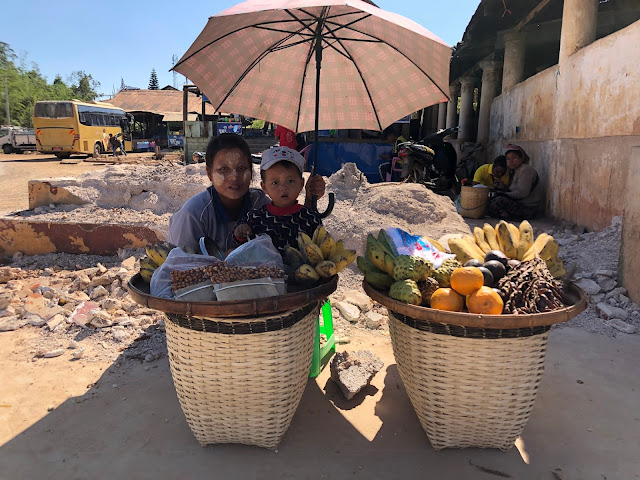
<point x="523" y="196"/>
<point x="492" y="175"/>
<point x="215" y="212"/>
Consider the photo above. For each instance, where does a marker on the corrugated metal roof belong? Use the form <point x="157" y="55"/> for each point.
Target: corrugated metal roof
<point x="161" y="102"/>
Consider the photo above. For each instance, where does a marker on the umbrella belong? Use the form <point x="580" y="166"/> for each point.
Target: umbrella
<point x="263" y="59"/>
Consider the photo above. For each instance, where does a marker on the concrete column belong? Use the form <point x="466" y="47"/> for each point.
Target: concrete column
<point x="466" y="108"/>
<point x="490" y="88"/>
<point x="452" y="106"/>
<point x="442" y="115"/>
<point x="579" y="21"/>
<point x="513" y="69"/>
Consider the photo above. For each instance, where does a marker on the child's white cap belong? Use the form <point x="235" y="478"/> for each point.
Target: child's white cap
<point x="278" y="154"/>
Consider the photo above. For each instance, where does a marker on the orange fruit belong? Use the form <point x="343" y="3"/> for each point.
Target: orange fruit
<point x="447" y="299"/>
<point x="467" y="280"/>
<point x="485" y="300"/>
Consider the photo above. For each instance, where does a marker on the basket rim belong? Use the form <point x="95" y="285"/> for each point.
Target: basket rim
<point x="465" y="319"/>
<point x="231" y="308"/>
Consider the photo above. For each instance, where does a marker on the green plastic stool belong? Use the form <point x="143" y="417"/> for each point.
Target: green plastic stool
<point x="322" y="355"/>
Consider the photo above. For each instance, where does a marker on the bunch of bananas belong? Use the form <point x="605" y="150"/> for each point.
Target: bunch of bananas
<point x="156" y="255"/>
<point x="319" y="256"/>
<point x="516" y="242"/>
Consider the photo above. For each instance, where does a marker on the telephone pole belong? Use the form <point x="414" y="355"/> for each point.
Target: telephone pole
<point x="6" y="98"/>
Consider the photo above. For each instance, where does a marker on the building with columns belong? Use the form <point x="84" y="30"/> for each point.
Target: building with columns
<point x="561" y="78"/>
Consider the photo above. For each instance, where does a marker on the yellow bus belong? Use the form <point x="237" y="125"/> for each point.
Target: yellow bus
<point x="68" y="127"/>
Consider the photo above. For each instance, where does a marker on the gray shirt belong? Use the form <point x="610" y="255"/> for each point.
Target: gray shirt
<point x="525" y="188"/>
<point x="199" y="217"/>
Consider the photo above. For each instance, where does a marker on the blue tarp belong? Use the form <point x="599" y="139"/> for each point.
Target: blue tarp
<point x="366" y="156"/>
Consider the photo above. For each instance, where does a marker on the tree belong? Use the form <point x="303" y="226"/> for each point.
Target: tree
<point x="153" y="80"/>
<point x="83" y="86"/>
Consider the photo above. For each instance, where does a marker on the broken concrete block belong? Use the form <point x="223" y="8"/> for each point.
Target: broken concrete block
<point x="607" y="312"/>
<point x="589" y="286"/>
<point x="624" y="327"/>
<point x="12" y="323"/>
<point x="348" y="311"/>
<point x="373" y="320"/>
<point x="359" y="299"/>
<point x="353" y="371"/>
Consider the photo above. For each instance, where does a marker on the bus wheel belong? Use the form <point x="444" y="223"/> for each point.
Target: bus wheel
<point x="62" y="156"/>
<point x="97" y="149"/>
<point x="7" y="149"/>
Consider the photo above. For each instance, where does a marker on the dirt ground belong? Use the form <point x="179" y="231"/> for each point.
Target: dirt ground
<point x="63" y="419"/>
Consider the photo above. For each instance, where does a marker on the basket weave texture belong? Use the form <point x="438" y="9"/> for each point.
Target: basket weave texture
<point x="241" y="388"/>
<point x="469" y="392"/>
<point x="473" y="202"/>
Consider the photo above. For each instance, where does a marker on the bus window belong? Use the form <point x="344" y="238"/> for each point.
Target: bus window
<point x="53" y="110"/>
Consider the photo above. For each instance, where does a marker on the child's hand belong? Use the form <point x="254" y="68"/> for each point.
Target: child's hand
<point x="242" y="231"/>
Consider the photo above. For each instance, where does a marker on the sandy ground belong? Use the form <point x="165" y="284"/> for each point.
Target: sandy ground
<point x="64" y="419"/>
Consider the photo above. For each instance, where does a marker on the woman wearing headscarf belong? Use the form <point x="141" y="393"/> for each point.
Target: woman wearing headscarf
<point x="523" y="197"/>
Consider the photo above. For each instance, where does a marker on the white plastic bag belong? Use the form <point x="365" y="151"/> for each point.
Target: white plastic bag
<point x="256" y="252"/>
<point x="416" y="246"/>
<point x="176" y="260"/>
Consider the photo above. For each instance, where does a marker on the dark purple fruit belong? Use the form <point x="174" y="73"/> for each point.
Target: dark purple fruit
<point x="488" y="276"/>
<point x="501" y="293"/>
<point x="473" y="263"/>
<point x="496" y="255"/>
<point x="497" y="269"/>
<point x="513" y="263"/>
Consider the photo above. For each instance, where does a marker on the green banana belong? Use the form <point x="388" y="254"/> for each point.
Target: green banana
<point x="379" y="281"/>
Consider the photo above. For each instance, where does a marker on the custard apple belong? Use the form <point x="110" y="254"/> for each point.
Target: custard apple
<point x="406" y="291"/>
<point x="427" y="287"/>
<point x="412" y="268"/>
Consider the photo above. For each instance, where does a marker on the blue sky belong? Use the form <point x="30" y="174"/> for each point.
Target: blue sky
<point x="126" y="40"/>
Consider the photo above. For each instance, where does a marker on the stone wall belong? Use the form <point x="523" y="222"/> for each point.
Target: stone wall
<point x="578" y="122"/>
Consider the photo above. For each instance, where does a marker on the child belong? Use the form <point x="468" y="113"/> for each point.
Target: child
<point x="282" y="219"/>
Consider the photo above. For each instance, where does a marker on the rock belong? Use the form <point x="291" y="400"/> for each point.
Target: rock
<point x="373" y="320"/>
<point x="38" y="305"/>
<point x="72" y="344"/>
<point x="34" y="320"/>
<point x="78" y="354"/>
<point x="99" y="318"/>
<point x="568" y="240"/>
<point x="48" y="272"/>
<point x="607" y="273"/>
<point x="98" y="292"/>
<point x="607" y="311"/>
<point x="53" y="353"/>
<point x="353" y="371"/>
<point x="79" y="315"/>
<point x="102" y="268"/>
<point x="7" y="274"/>
<point x="596" y="298"/>
<point x="102" y="280"/>
<point x="129" y="263"/>
<point x="14" y="284"/>
<point x="589" y="286"/>
<point x="81" y="282"/>
<point x="10" y="311"/>
<point x="342" y="340"/>
<point x="125" y="321"/>
<point x="624" y="300"/>
<point x="624" y="327"/>
<point x="54" y="321"/>
<point x="12" y="323"/>
<point x="607" y="284"/>
<point x="17" y="257"/>
<point x="120" y="335"/>
<point x="349" y="312"/>
<point x="359" y="299"/>
<point x="110" y="304"/>
<point x="617" y="291"/>
<point x="78" y="297"/>
<point x="5" y="299"/>
<point x="119" y="292"/>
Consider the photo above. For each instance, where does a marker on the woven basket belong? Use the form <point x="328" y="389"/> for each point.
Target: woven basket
<point x="241" y="380"/>
<point x="473" y="202"/>
<point x="470" y="387"/>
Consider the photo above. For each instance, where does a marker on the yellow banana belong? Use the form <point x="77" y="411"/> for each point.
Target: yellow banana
<point x="339" y="246"/>
<point x="462" y="250"/>
<point x="473" y="246"/>
<point x="293" y="256"/>
<point x="313" y="253"/>
<point x="505" y="240"/>
<point x="306" y="274"/>
<point x="435" y="243"/>
<point x="318" y="235"/>
<point x="146" y="262"/>
<point x="478" y="233"/>
<point x="536" y="248"/>
<point x="158" y="252"/>
<point x="526" y="239"/>
<point x="490" y="236"/>
<point x="306" y="239"/>
<point x="328" y="246"/>
<point x="550" y="250"/>
<point x="515" y="233"/>
<point x="326" y="269"/>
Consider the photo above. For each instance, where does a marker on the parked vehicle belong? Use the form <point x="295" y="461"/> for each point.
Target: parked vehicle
<point x="67" y="127"/>
<point x="16" y="139"/>
<point x="431" y="162"/>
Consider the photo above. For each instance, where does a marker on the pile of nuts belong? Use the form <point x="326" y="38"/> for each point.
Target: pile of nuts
<point x="222" y="273"/>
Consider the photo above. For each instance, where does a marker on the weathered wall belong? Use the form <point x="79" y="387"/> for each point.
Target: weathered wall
<point x="578" y="122"/>
<point x="630" y="253"/>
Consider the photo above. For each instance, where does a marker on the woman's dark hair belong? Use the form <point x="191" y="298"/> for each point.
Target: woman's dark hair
<point x="226" y="141"/>
<point x="517" y="152"/>
<point x="500" y="161"/>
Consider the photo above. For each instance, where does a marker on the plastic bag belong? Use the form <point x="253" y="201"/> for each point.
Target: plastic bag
<point x="457" y="204"/>
<point x="176" y="260"/>
<point x="416" y="246"/>
<point x="256" y="252"/>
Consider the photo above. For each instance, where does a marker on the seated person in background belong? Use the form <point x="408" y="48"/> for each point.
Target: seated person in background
<point x="524" y="197"/>
<point x="493" y="175"/>
<point x="392" y="135"/>
<point x="283" y="218"/>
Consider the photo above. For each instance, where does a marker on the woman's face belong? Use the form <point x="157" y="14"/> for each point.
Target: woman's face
<point x="514" y="161"/>
<point x="230" y="173"/>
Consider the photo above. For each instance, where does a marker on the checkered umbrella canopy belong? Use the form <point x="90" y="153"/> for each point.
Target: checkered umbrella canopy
<point x="279" y="60"/>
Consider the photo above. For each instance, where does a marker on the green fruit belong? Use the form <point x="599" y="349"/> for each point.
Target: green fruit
<point x="406" y="291"/>
<point x="412" y="268"/>
<point x="378" y="280"/>
<point x="365" y="265"/>
<point x="443" y="274"/>
<point x="427" y="287"/>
